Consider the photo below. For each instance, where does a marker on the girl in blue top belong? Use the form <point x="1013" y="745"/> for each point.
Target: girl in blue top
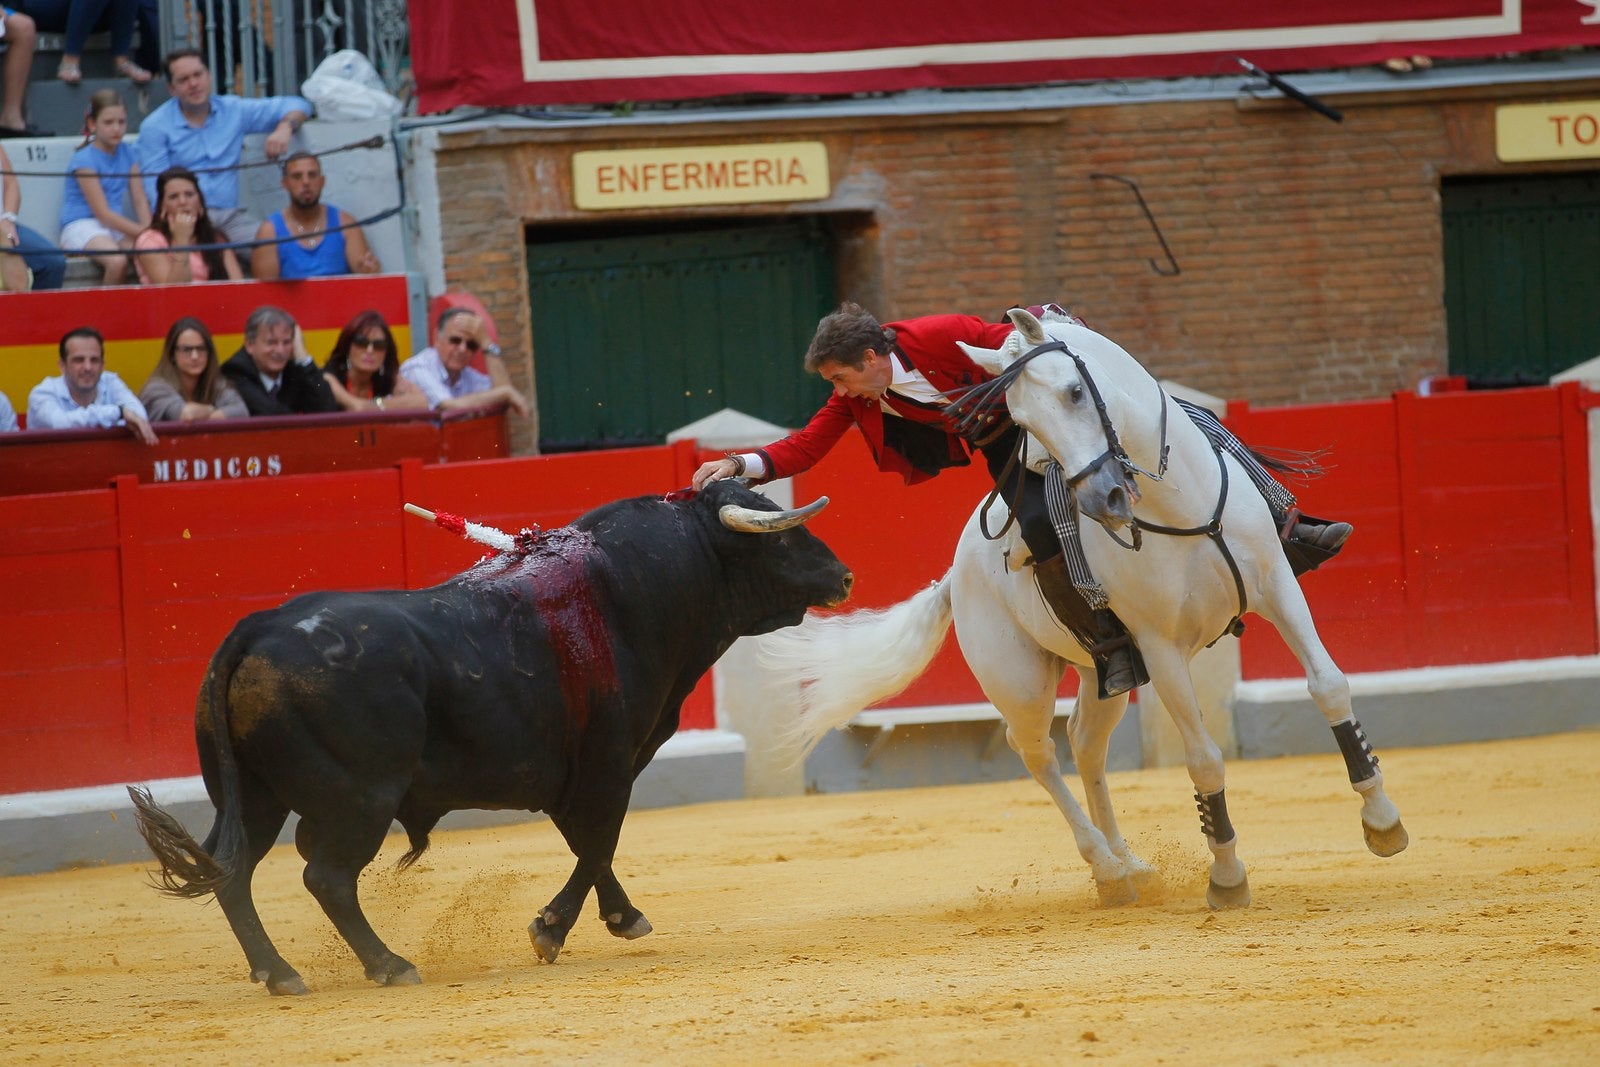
<point x="104" y="183"/>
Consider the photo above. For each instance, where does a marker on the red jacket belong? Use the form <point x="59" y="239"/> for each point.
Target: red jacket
<point x="917" y="443"/>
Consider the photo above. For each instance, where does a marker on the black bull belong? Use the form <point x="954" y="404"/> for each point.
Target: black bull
<point x="543" y="679"/>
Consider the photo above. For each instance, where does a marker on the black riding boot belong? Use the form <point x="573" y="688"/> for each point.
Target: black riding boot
<point x="1117" y="662"/>
<point x="1310" y="542"/>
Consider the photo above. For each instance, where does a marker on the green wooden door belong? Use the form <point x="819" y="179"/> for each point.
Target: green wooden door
<point x="634" y="336"/>
<point x="1522" y="259"/>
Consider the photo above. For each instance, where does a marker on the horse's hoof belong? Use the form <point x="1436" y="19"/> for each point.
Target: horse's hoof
<point x="545" y="940"/>
<point x="1388" y="842"/>
<point x="1221" y="897"/>
<point x="636" y="929"/>
<point x="1117" y="892"/>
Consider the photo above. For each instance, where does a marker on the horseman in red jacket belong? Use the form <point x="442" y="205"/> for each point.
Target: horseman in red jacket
<point x="895" y="381"/>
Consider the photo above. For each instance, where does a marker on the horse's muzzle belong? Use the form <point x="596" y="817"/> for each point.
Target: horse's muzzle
<point x="1106" y="497"/>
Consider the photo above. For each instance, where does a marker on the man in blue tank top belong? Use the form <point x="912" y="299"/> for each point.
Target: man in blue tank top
<point x="313" y="239"/>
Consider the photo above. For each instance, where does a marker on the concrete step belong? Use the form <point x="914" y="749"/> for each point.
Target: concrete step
<point x="59" y="107"/>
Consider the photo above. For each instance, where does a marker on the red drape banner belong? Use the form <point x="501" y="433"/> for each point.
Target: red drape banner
<point x="508" y="53"/>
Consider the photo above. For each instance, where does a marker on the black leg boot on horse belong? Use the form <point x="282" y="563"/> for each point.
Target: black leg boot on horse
<point x="1117" y="662"/>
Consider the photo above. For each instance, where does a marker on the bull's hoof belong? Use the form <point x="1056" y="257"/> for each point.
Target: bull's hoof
<point x="1117" y="892"/>
<point x="1388" y="842"/>
<point x="1221" y="897"/>
<point x="285" y="983"/>
<point x="409" y="976"/>
<point x="547" y="940"/>
<point x="291" y="986"/>
<point x="636" y="929"/>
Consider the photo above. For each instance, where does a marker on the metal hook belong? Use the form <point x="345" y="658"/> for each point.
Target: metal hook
<point x="1131" y="184"/>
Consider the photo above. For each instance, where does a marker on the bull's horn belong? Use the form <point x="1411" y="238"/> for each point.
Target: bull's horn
<point x="749" y="520"/>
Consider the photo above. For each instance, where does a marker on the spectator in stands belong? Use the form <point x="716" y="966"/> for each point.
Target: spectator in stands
<point x="48" y="265"/>
<point x="205" y="133"/>
<point x="364" y="369"/>
<point x="77" y="19"/>
<point x="443" y="373"/>
<point x="311" y="244"/>
<point x="187" y="385"/>
<point x="85" y="394"/>
<point x="8" y="417"/>
<point x="181" y="221"/>
<point x="19" y="35"/>
<point x="274" y="372"/>
<point x="103" y="208"/>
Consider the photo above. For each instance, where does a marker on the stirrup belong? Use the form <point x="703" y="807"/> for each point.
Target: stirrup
<point x="1118" y="666"/>
<point x="1306" y="555"/>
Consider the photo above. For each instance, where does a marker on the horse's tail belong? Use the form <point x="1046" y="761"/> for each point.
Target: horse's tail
<point x="188" y="869"/>
<point x="837" y="665"/>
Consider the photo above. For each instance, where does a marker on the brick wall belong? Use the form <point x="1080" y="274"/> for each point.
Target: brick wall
<point x="1310" y="251"/>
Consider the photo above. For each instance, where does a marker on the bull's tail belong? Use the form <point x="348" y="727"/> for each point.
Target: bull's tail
<point x="837" y="665"/>
<point x="188" y="869"/>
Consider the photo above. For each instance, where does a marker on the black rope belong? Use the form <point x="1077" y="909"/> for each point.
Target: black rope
<point x="377" y="140"/>
<point x="351" y="225"/>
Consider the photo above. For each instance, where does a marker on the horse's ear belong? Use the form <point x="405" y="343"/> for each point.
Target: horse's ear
<point x="1031" y="331"/>
<point x="990" y="359"/>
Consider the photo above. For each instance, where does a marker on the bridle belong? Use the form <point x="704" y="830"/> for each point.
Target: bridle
<point x="973" y="403"/>
<point x="979" y="399"/>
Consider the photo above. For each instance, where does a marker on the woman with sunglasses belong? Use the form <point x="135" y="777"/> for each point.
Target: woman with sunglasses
<point x="187" y="385"/>
<point x="364" y="369"/>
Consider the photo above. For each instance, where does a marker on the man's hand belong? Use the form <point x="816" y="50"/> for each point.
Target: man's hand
<point x="516" y="401"/>
<point x="138" y="426"/>
<point x="278" y="140"/>
<point x="368" y="263"/>
<point x="714" y="470"/>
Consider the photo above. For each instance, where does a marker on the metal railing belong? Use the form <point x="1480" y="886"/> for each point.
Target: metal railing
<point x="268" y="47"/>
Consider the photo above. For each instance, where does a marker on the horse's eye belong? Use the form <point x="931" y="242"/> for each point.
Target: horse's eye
<point x="1075" y="394"/>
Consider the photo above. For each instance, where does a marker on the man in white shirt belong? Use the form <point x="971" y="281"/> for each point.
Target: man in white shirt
<point x="86" y="394"/>
<point x="444" y="375"/>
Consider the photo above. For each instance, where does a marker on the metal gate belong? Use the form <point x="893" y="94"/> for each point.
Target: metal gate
<point x="635" y="336"/>
<point x="1521" y="257"/>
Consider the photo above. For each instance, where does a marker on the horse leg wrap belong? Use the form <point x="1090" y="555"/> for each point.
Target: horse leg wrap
<point x="1214" y="822"/>
<point x="1357" y="751"/>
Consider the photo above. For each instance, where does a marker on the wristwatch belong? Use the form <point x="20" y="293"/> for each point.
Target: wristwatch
<point x="9" y="216"/>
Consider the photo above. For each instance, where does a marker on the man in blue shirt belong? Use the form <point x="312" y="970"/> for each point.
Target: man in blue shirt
<point x="205" y="132"/>
<point x="86" y="395"/>
<point x="314" y="240"/>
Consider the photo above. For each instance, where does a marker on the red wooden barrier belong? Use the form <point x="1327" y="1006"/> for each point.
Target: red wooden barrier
<point x="1474" y="544"/>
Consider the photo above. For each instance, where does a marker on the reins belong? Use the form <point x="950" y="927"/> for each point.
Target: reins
<point x="978" y="400"/>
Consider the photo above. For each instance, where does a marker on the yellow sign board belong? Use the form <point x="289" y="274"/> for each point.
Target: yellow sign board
<point x="1524" y="132"/>
<point x="700" y="174"/>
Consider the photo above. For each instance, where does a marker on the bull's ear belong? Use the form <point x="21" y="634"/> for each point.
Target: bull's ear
<point x="1031" y="329"/>
<point x="993" y="360"/>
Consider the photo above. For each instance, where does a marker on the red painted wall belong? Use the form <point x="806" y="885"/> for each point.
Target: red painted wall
<point x="1473" y="544"/>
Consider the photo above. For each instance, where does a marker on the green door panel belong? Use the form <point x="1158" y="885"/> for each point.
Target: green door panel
<point x="1522" y="262"/>
<point x="635" y="336"/>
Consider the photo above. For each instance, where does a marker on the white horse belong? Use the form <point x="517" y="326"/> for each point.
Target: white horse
<point x="1097" y="412"/>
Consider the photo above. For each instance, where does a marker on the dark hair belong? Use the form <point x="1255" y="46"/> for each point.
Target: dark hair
<point x="453" y="312"/>
<point x="844" y="335"/>
<point x="181" y="53"/>
<point x="338" y="364"/>
<point x="302" y="154"/>
<point x="204" y="232"/>
<point x="210" y="383"/>
<point x="81" y="331"/>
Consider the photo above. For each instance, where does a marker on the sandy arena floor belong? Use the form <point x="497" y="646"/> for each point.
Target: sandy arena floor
<point x="932" y="926"/>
